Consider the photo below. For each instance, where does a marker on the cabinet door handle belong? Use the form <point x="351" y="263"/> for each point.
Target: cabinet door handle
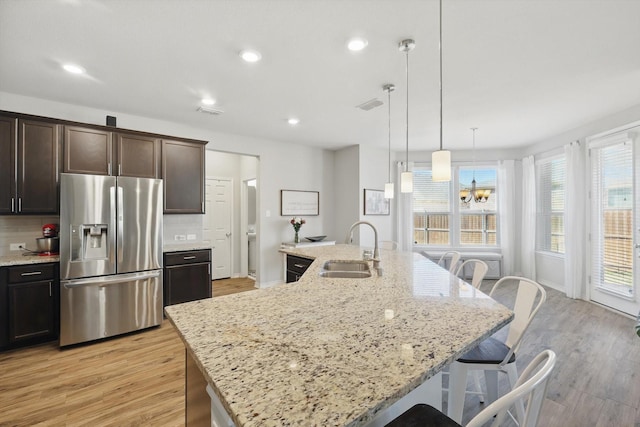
<point x="109" y="169"/>
<point x="19" y="204"/>
<point x="32" y="273"/>
<point x="299" y="265"/>
<point x="13" y="204"/>
<point x="50" y="294"/>
<point x="189" y="257"/>
<point x="120" y="169"/>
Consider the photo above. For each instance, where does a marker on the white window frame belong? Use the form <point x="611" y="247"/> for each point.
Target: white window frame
<point x="455" y="214"/>
<point x="538" y="164"/>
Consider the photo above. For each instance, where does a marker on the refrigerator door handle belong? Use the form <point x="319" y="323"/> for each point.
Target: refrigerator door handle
<point x="106" y="281"/>
<point x="120" y="224"/>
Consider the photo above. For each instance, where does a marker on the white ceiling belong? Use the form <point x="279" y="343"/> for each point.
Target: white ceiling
<point x="519" y="70"/>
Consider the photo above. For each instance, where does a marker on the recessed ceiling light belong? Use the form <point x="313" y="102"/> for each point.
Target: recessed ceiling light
<point x="74" y="69"/>
<point x="356" y="44"/>
<point x="208" y="101"/>
<point x="293" y="121"/>
<point x="250" y="55"/>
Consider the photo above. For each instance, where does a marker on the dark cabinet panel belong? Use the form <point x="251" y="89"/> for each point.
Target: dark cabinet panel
<point x="7" y="164"/>
<point x="183" y="174"/>
<point x="29" y="304"/>
<point x="29" y="166"/>
<point x="188" y="283"/>
<point x="87" y="150"/>
<point x="187" y="276"/>
<point x="93" y="151"/>
<point x="138" y="156"/>
<point x="38" y="167"/>
<point x="31" y="313"/>
<point x="296" y="266"/>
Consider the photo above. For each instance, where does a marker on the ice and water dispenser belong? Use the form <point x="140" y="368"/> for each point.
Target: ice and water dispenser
<point x="89" y="242"/>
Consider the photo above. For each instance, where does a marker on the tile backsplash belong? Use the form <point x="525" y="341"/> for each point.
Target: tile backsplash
<point x="22" y="229"/>
<point x="180" y="228"/>
<point x="26" y="229"/>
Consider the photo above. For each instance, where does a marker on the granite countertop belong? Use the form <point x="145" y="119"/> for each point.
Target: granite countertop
<point x="333" y="351"/>
<point x="20" y="259"/>
<point x="175" y="247"/>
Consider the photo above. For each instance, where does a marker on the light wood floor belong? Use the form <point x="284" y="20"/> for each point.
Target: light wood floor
<point x="231" y="286"/>
<point x="596" y="381"/>
<point x="132" y="380"/>
<point x="138" y="379"/>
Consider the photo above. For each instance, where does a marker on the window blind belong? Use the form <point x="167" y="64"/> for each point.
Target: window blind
<point x="429" y="196"/>
<point x="551" y="181"/>
<point x="612" y="189"/>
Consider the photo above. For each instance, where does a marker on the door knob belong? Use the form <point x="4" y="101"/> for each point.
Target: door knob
<point x="228" y="234"/>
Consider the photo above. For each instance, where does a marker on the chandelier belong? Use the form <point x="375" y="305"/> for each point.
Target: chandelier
<point x="475" y="194"/>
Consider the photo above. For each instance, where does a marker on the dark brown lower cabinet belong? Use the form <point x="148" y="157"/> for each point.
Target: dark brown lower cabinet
<point x="296" y="266"/>
<point x="187" y="276"/>
<point x="29" y="305"/>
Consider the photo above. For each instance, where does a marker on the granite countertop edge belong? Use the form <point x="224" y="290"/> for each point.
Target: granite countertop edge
<point x="11" y="260"/>
<point x="185" y="247"/>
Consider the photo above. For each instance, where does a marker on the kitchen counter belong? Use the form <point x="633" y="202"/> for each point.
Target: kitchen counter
<point x="175" y="247"/>
<point x="20" y="259"/>
<point x="334" y="351"/>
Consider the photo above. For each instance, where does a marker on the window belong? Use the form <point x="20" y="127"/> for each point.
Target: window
<point x="442" y="218"/>
<point x="431" y="209"/>
<point x="612" y="188"/>
<point x="550" y="177"/>
<point x="478" y="211"/>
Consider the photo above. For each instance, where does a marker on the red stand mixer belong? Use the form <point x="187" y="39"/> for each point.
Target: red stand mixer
<point x="50" y="243"/>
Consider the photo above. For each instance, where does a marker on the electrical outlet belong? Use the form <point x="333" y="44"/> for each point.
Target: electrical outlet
<point x="179" y="237"/>
<point x="191" y="237"/>
<point x="16" y="246"/>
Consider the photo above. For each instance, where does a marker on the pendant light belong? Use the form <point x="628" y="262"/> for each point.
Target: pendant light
<point x="478" y="196"/>
<point x="406" y="178"/>
<point x="388" y="187"/>
<point x="441" y="159"/>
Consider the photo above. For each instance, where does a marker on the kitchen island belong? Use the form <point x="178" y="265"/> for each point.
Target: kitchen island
<point x="333" y="351"/>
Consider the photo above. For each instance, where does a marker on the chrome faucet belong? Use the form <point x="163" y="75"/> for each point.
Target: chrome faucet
<point x="376" y="251"/>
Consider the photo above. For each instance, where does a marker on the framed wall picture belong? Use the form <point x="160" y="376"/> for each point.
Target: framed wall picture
<point x="375" y="203"/>
<point x="293" y="202"/>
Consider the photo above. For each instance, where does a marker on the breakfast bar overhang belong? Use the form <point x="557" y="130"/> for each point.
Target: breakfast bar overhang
<point x="329" y="351"/>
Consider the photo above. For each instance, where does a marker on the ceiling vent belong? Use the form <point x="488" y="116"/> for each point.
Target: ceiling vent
<point x="370" y="104"/>
<point x="209" y="110"/>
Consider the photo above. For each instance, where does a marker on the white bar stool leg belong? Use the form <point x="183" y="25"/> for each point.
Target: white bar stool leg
<point x="457" y="390"/>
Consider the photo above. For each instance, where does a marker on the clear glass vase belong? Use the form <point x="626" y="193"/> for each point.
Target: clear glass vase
<point x="296" y="239"/>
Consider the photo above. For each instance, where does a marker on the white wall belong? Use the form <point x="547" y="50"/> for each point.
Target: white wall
<point x="282" y="166"/>
<point x="550" y="268"/>
<point x="346" y="194"/>
<point x="373" y="176"/>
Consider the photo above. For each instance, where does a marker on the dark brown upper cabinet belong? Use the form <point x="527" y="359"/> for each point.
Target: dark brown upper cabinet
<point x="87" y="150"/>
<point x="183" y="175"/>
<point x="7" y="164"/>
<point x="30" y="166"/>
<point x="93" y="151"/>
<point x="138" y="156"/>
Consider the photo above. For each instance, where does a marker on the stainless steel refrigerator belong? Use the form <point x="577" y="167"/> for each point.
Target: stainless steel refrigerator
<point x="110" y="256"/>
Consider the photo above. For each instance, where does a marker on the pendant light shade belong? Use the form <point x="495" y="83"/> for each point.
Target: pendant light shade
<point x="388" y="187"/>
<point x="388" y="190"/>
<point x="441" y="165"/>
<point x="406" y="178"/>
<point x="441" y="159"/>
<point x="406" y="182"/>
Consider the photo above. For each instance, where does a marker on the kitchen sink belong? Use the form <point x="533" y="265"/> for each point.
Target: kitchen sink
<point x="350" y="269"/>
<point x="346" y="274"/>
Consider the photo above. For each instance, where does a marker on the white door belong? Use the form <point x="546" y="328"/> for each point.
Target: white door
<point x="615" y="232"/>
<point x="218" y="229"/>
